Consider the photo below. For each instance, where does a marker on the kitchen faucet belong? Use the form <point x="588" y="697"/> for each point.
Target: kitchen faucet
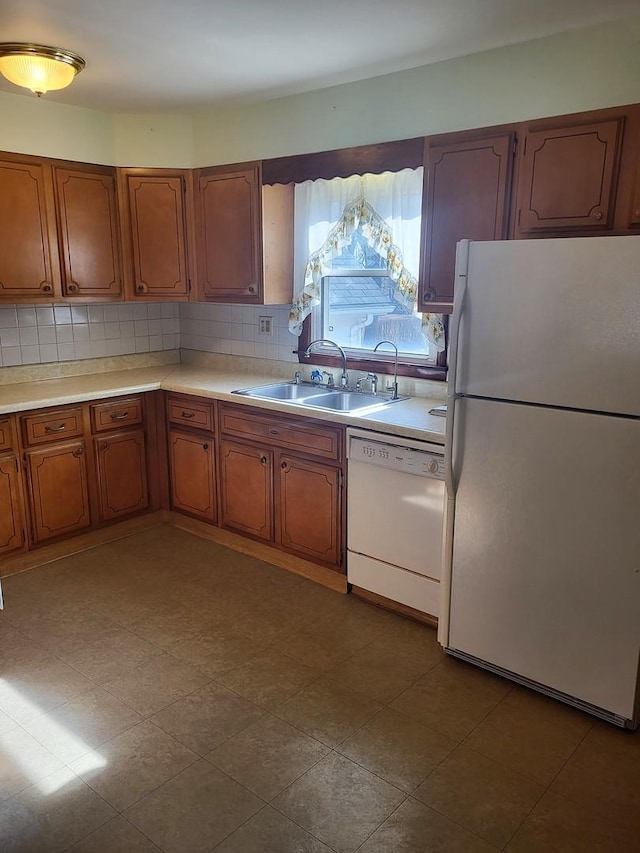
<point x="394" y="387"/>
<point x="344" y="379"/>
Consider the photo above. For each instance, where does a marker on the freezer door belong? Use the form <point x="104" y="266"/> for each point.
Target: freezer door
<point x="554" y="322"/>
<point x="545" y="575"/>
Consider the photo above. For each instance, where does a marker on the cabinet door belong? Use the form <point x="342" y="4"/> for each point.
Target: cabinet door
<point x="122" y="474"/>
<point x="28" y="252"/>
<point x="58" y="489"/>
<point x="246" y="489"/>
<point x="309" y="509"/>
<point x="11" y="520"/>
<point x="466" y="192"/>
<point x="158" y="234"/>
<point x="634" y="215"/>
<point x="89" y="239"/>
<point x="230" y="234"/>
<point x="192" y="474"/>
<point x="567" y="178"/>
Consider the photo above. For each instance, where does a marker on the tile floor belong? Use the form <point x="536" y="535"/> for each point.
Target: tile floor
<point x="163" y="693"/>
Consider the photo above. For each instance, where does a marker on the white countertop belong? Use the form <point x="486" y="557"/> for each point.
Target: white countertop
<point x="408" y="418"/>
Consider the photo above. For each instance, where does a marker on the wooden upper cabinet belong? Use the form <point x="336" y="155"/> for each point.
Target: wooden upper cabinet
<point x="155" y="217"/>
<point x="28" y="251"/>
<point x="244" y="235"/>
<point x="634" y="217"/>
<point x="467" y="187"/>
<point x="568" y="177"/>
<point x="229" y="238"/>
<point x="88" y="232"/>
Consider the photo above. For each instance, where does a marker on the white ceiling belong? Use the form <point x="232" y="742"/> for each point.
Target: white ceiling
<point x="186" y="55"/>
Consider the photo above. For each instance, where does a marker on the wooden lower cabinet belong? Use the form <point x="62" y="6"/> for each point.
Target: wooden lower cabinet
<point x="192" y="464"/>
<point x="281" y="481"/>
<point x="122" y="474"/>
<point x="246" y="489"/>
<point x="11" y="519"/>
<point x="58" y="489"/>
<point x="309" y="508"/>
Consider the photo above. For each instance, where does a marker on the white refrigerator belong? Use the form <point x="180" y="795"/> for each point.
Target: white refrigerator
<point x="542" y="552"/>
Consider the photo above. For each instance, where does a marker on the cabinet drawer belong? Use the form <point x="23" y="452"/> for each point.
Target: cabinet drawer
<point x="190" y="412"/>
<point x="304" y="436"/>
<point x="5" y="433"/>
<point x="116" y="413"/>
<point x="52" y="426"/>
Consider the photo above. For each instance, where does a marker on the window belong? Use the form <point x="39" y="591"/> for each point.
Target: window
<point x="357" y="246"/>
<point x="358" y="307"/>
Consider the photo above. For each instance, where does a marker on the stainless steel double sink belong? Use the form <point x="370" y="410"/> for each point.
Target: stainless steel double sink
<point x="319" y="397"/>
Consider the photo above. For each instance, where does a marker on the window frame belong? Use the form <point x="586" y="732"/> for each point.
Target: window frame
<point x="381" y="363"/>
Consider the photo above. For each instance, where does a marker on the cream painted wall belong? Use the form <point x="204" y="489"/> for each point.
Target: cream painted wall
<point x="31" y="125"/>
<point x="153" y="140"/>
<point x="580" y="70"/>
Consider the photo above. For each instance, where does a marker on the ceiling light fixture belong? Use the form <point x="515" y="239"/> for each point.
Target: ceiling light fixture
<point x="37" y="67"/>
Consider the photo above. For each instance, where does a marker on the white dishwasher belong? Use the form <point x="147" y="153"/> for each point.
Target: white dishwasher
<point x="395" y="511"/>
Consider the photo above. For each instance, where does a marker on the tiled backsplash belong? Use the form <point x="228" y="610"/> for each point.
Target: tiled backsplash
<point x="36" y="334"/>
<point x="235" y="330"/>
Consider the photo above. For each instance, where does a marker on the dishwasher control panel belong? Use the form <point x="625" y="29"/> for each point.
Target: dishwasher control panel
<point x="409" y="460"/>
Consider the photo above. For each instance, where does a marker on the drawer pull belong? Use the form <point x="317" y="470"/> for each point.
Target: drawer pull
<point x="274" y="431"/>
<point x="58" y="428"/>
<point x="119" y="416"/>
<point x="187" y="415"/>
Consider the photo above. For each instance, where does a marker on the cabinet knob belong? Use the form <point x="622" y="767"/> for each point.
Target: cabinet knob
<point x="597" y="214"/>
<point x="284" y="465"/>
<point x="273" y="431"/>
<point x="251" y="289"/>
<point x="78" y="451"/>
<point x="140" y="288"/>
<point x="428" y="295"/>
<point x="205" y="446"/>
<point x="46" y="288"/>
<point x="72" y="288"/>
<point x="263" y="460"/>
<point x="636" y="213"/>
<point x="104" y="445"/>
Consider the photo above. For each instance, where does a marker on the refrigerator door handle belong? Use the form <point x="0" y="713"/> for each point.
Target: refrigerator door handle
<point x="462" y="262"/>
<point x="460" y="289"/>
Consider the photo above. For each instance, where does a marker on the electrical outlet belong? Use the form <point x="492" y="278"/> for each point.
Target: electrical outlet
<point x="265" y="325"/>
